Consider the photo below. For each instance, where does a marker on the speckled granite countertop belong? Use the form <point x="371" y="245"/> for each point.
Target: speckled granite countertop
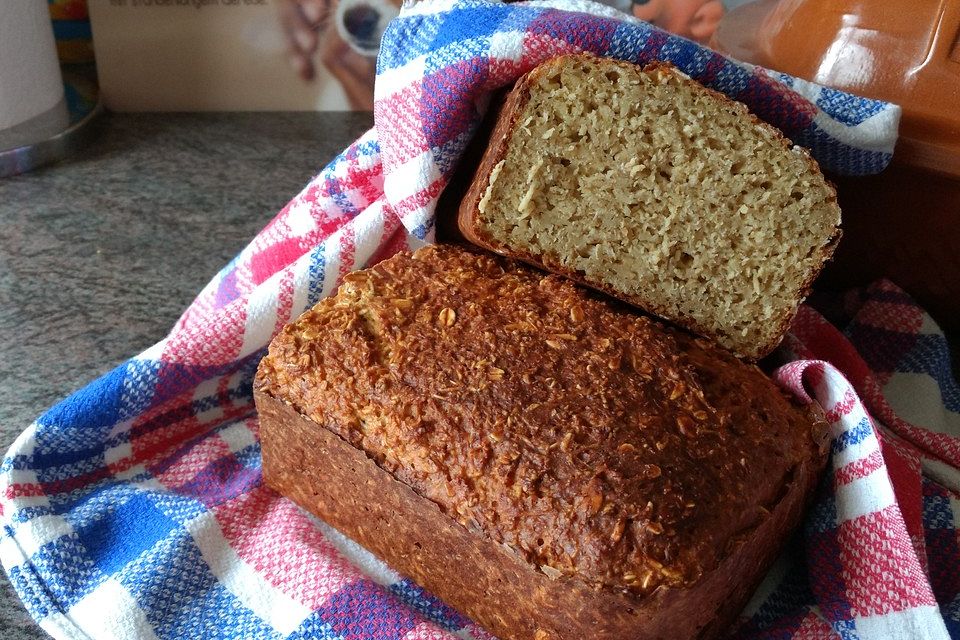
<point x="100" y="254"/>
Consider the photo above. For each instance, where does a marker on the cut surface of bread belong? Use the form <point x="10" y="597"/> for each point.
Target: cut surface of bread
<point x="670" y="196"/>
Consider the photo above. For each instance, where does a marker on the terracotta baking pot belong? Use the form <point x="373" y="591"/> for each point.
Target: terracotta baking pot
<point x="905" y="223"/>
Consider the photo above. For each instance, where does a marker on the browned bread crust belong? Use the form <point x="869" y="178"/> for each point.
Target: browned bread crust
<point x="548" y="463"/>
<point x="471" y="229"/>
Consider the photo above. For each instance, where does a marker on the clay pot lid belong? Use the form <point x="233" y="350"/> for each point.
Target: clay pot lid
<point x="909" y="56"/>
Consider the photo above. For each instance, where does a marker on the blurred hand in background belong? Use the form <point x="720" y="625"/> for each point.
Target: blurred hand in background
<point x="694" y="19"/>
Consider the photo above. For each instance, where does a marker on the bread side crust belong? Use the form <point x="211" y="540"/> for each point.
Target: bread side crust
<point x="471" y="229"/>
<point x="495" y="587"/>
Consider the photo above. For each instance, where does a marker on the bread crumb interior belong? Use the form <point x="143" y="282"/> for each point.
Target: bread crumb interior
<point x="661" y="191"/>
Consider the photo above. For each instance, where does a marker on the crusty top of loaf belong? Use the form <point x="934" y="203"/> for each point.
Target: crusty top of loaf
<point x="597" y="444"/>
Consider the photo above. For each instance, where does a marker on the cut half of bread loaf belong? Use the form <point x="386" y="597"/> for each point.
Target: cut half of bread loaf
<point x="644" y="184"/>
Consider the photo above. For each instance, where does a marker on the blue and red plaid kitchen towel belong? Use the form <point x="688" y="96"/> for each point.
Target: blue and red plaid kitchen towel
<point x="136" y="508"/>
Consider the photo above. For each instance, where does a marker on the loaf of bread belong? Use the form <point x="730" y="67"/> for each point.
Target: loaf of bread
<point x="646" y="185"/>
<point x="554" y="466"/>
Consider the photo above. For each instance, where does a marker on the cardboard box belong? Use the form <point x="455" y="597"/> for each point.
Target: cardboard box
<point x="237" y="55"/>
